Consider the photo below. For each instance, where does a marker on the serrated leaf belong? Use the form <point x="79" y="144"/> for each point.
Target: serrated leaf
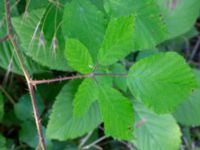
<point x="161" y="81"/>
<point x="149" y="27"/>
<point x="179" y="15"/>
<point x="87" y="93"/>
<point x="78" y="56"/>
<point x="117" y="113"/>
<point x="155" y="132"/>
<point x="34" y="44"/>
<point x="118" y="40"/>
<point x="62" y="125"/>
<point x="83" y="21"/>
<point x="188" y="113"/>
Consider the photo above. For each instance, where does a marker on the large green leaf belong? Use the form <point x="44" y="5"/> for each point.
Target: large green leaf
<point x="87" y="93"/>
<point x="162" y="81"/>
<point x="117" y="113"/>
<point x="155" y="132"/>
<point x="78" y="56"/>
<point x="118" y="40"/>
<point x="188" y="113"/>
<point x="179" y="15"/>
<point x="82" y="20"/>
<point x="62" y="124"/>
<point x="30" y="31"/>
<point x="149" y="27"/>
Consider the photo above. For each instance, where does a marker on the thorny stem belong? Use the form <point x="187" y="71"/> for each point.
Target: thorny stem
<point x="31" y="83"/>
<point x="26" y="73"/>
<point x="91" y="75"/>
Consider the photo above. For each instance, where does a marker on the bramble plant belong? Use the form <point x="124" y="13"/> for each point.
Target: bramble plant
<point x="97" y="70"/>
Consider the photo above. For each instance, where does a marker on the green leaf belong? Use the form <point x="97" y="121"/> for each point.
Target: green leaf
<point x="30" y="32"/>
<point x="117" y="113"/>
<point x="62" y="124"/>
<point x="78" y="56"/>
<point x="87" y="93"/>
<point x="188" y="113"/>
<point x="120" y="82"/>
<point x="197" y="74"/>
<point x="1" y="106"/>
<point x="161" y="81"/>
<point x="118" y="40"/>
<point x="179" y="15"/>
<point x="150" y="29"/>
<point x="155" y="132"/>
<point x="28" y="134"/>
<point x="83" y="21"/>
<point x="25" y="105"/>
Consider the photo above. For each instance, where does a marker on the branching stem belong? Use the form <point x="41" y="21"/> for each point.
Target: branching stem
<point x="26" y="73"/>
<point x="48" y="81"/>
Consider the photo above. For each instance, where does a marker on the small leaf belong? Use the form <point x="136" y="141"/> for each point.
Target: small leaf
<point x="161" y="81"/>
<point x="155" y="132"/>
<point x="118" y="40"/>
<point x="78" y="56"/>
<point x="62" y="124"/>
<point x="117" y="113"/>
<point x="188" y="113"/>
<point x="87" y="93"/>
